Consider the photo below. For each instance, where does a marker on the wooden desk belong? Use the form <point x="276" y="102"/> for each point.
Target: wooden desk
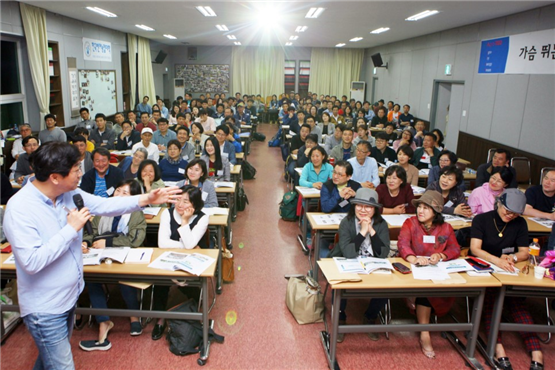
<point x="307" y="200"/>
<point x="536" y="229"/>
<point x="228" y="194"/>
<point x="116" y="272"/>
<point x="216" y="223"/>
<point x="398" y="285"/>
<point x="518" y="286"/>
<point x="240" y="157"/>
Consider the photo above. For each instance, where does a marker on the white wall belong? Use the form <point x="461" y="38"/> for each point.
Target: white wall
<point x="68" y="33"/>
<point x="515" y="110"/>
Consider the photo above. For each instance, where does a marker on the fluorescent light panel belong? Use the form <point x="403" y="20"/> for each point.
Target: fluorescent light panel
<point x="301" y="28"/>
<point x="231" y="37"/>
<point x="293" y="38"/>
<point x="222" y="27"/>
<point x="237" y="43"/>
<point x="206" y="11"/>
<point x="340" y="45"/>
<point x="288" y="43"/>
<point x="101" y="11"/>
<point x="355" y="39"/>
<point x="143" y="27"/>
<point x="314" y="12"/>
<point x="424" y="14"/>
<point x="170" y="37"/>
<point x="380" y="30"/>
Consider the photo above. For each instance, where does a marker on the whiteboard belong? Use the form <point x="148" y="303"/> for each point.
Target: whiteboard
<point x="97" y="91"/>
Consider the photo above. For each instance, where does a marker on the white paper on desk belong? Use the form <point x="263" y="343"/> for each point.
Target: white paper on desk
<point x="453" y="218"/>
<point x="308" y="191"/>
<point x="142" y="255"/>
<point x="122" y="152"/>
<point x="396" y="220"/>
<point x="418" y="189"/>
<point x="477" y="273"/>
<point x="10" y="260"/>
<point x="170" y="183"/>
<point x="376" y="265"/>
<point x="299" y="170"/>
<point x="92" y="257"/>
<point x="458" y="265"/>
<point x="194" y="263"/>
<point x="117" y="254"/>
<point x="215" y="211"/>
<point x="349" y="265"/>
<point x="424" y="171"/>
<point x="329" y="219"/>
<point x="152" y="211"/>
<point x="429" y="272"/>
<point x="543" y="221"/>
<point x="499" y="270"/>
<point x="224" y="184"/>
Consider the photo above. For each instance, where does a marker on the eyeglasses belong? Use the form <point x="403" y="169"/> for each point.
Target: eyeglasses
<point x="364" y="207"/>
<point x="496" y="181"/>
<point x="509" y="213"/>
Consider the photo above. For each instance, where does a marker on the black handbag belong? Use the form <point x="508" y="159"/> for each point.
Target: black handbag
<point x="242" y="199"/>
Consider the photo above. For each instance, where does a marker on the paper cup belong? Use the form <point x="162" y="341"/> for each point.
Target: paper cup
<point x="539" y="272"/>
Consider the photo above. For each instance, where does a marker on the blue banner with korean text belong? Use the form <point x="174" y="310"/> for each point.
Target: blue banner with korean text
<point x="526" y="53"/>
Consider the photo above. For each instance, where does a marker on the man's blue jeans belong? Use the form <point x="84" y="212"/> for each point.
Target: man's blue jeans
<point x="51" y="333"/>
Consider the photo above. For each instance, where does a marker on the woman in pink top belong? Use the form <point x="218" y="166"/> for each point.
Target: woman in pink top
<point x="406" y="139"/>
<point x="482" y="199"/>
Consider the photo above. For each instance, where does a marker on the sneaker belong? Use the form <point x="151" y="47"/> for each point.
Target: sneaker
<point x="136" y="328"/>
<point x="373" y="336"/>
<point x="93" y="345"/>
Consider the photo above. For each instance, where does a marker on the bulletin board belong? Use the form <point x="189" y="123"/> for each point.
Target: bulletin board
<point x="203" y="78"/>
<point x="97" y="91"/>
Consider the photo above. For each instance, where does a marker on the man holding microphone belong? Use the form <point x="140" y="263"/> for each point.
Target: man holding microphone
<point x="45" y="231"/>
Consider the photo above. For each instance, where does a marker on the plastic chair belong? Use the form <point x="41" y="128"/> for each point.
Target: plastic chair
<point x="491" y="152"/>
<point x="523" y="172"/>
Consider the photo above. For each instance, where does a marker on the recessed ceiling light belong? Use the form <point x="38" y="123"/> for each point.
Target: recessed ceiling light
<point x="355" y="39"/>
<point x="424" y="14"/>
<point x="143" y="27"/>
<point x="222" y="27"/>
<point x="301" y="28"/>
<point x="293" y="38"/>
<point x="101" y="11"/>
<point x="340" y="45"/>
<point x="231" y="37"/>
<point x="170" y="37"/>
<point x="288" y="43"/>
<point x="380" y="30"/>
<point x="314" y="12"/>
<point x="206" y="11"/>
<point x="237" y="43"/>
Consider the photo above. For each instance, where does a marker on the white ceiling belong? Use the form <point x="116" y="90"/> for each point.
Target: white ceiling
<point x="341" y="21"/>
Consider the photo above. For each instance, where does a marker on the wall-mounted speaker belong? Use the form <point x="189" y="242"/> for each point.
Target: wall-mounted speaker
<point x="160" y="57"/>
<point x="377" y="60"/>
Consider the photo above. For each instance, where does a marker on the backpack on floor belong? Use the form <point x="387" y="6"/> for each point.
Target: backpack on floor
<point x="285" y="149"/>
<point x="249" y="172"/>
<point x="276" y="140"/>
<point x="257" y="136"/>
<point x="185" y="336"/>
<point x="242" y="199"/>
<point x="288" y="206"/>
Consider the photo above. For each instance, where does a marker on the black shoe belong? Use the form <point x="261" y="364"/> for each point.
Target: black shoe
<point x="503" y="363"/>
<point x="229" y="246"/>
<point x="158" y="331"/>
<point x="535" y="365"/>
<point x="79" y="323"/>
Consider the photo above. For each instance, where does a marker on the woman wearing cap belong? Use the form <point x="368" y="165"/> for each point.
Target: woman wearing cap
<point x="425" y="239"/>
<point x="453" y="197"/>
<point x="482" y="199"/>
<point x="363" y="232"/>
<point x="500" y="237"/>
<point x="396" y="195"/>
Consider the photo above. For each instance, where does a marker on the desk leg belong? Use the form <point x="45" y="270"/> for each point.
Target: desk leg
<point x="205" y="325"/>
<point x="231" y="202"/>
<point x="495" y="322"/>
<point x="304" y="225"/>
<point x="316" y="244"/>
<point x="334" y="327"/>
<point x="219" y="279"/>
<point x="473" y="335"/>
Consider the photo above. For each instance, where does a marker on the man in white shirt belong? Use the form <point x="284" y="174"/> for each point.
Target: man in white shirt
<point x="17" y="147"/>
<point x="365" y="168"/>
<point x="207" y="123"/>
<point x="152" y="149"/>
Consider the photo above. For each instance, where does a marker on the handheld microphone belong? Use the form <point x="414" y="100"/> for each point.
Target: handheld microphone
<point x="78" y="200"/>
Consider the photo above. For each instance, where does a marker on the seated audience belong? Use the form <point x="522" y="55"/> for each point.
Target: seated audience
<point x="173" y="165"/>
<point x="314" y="128"/>
<point x="187" y="149"/>
<point x="326" y="125"/>
<point x="439" y="138"/>
<point x="152" y="149"/>
<point x="145" y="123"/>
<point x="103" y="177"/>
<point x="81" y="131"/>
<point x="406" y="139"/>
<point x="393" y="115"/>
<point x="426" y="156"/>
<point x="163" y="135"/>
<point x="149" y="176"/>
<point x="218" y="165"/>
<point x="227" y="149"/>
<point x="415" y="247"/>
<point x="390" y="133"/>
<point x="333" y="140"/>
<point x="446" y="158"/>
<point x="396" y="195"/>
<point x="363" y="134"/>
<point x="128" y="137"/>
<point x="345" y="150"/>
<point x="404" y="156"/>
<point x="406" y="119"/>
<point x="85" y="162"/>
<point x="102" y="136"/>
<point x="381" y="152"/>
<point x="128" y="230"/>
<point x="335" y="193"/>
<point x="365" y="168"/>
<point x="197" y="135"/>
<point x="317" y="171"/>
<point x="363" y="232"/>
<point x="454" y="201"/>
<point x="233" y="137"/>
<point x="380" y="120"/>
<point x="500" y="236"/>
<point x="291" y="120"/>
<point x="23" y="168"/>
<point x="420" y="131"/>
<point x="302" y="154"/>
<point x="482" y="199"/>
<point x="501" y="158"/>
<point x="130" y="165"/>
<point x="299" y="140"/>
<point x="51" y="132"/>
<point x="196" y="174"/>
<point x="540" y="199"/>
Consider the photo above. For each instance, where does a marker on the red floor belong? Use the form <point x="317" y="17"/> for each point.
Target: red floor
<point x="264" y="335"/>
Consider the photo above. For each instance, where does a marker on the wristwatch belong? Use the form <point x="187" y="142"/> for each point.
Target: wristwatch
<point x="514" y="258"/>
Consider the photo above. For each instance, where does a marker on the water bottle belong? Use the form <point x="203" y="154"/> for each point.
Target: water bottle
<point x="197" y="147"/>
<point x="534" y="252"/>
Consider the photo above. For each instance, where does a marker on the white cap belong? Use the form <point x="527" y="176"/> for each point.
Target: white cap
<point x="146" y="130"/>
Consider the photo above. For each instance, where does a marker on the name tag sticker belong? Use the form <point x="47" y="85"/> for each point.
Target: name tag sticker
<point x="181" y="170"/>
<point x="185" y="157"/>
<point x="105" y="141"/>
<point x="507" y="250"/>
<point x="220" y="173"/>
<point x="448" y="204"/>
<point x="204" y="195"/>
<point x="110" y="191"/>
<point x="88" y="127"/>
<point x="430" y="239"/>
<point x="344" y="203"/>
<point x="225" y="155"/>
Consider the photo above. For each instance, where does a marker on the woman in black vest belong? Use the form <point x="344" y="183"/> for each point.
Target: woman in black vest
<point x="184" y="225"/>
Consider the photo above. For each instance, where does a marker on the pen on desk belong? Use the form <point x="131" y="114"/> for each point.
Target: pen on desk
<point x="142" y="255"/>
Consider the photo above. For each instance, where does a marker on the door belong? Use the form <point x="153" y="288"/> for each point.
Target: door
<point x="374" y="89"/>
<point x="442" y="106"/>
